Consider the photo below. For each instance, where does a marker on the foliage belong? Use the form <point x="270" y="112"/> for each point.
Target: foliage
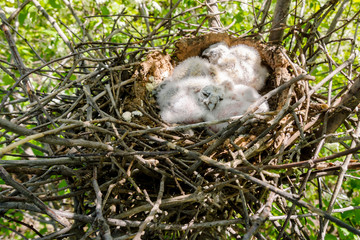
<point x="114" y="30"/>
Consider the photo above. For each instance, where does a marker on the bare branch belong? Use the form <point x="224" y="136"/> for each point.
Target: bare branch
<point x="279" y="22"/>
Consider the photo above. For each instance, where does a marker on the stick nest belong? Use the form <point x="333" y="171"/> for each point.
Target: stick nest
<point x="145" y="176"/>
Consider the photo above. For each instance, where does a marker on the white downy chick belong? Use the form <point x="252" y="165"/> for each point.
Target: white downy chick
<point x="245" y="53"/>
<point x="239" y="73"/>
<point x="211" y="95"/>
<point x="218" y="75"/>
<point x="250" y="60"/>
<point x="191" y="67"/>
<point x="185" y="110"/>
<point x="206" y="90"/>
<point x="165" y="92"/>
<point x="169" y="91"/>
<point x="188" y="100"/>
<point x="215" y="52"/>
<point x="227" y="65"/>
<point x="238" y="98"/>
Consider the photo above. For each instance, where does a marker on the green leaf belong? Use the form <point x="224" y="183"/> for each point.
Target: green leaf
<point x="23" y="16"/>
<point x="357" y="216"/>
<point x="354" y="184"/>
<point x="55" y="4"/>
<point x="356" y="201"/>
<point x="105" y="10"/>
<point x="344" y="233"/>
<point x="43" y="230"/>
<point x="62" y="184"/>
<point x="7" y="80"/>
<point x="330" y="237"/>
<point x="348" y="214"/>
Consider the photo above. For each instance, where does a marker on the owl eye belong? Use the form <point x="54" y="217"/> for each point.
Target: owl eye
<point x="162" y="85"/>
<point x="206" y="94"/>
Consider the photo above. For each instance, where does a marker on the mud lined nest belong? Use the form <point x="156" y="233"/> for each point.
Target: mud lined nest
<point x="140" y="176"/>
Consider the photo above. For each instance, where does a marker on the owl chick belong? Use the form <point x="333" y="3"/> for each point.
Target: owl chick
<point x="245" y="53"/>
<point x="250" y="60"/>
<point x="188" y="100"/>
<point x="191" y="67"/>
<point x="237" y="99"/>
<point x="215" y="52"/>
<point x="219" y="54"/>
<point x="227" y="65"/>
<point x="211" y="95"/>
<point x="186" y="109"/>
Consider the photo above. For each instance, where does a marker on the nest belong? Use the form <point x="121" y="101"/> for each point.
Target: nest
<point x="152" y="71"/>
<point x="140" y="176"/>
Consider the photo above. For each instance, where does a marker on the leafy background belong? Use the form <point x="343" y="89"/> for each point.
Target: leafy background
<point x="38" y="43"/>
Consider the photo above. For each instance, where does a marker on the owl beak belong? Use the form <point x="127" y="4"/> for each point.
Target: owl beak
<point x="206" y="56"/>
<point x="211" y="106"/>
<point x="211" y="102"/>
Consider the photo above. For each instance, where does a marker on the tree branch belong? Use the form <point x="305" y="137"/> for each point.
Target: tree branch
<point x="279" y="22"/>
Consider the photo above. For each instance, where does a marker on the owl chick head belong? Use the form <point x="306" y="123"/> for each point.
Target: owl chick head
<point x="215" y="51"/>
<point x="211" y="95"/>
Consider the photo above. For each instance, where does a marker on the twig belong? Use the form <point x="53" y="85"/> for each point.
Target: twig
<point x="305" y="163"/>
<point x="53" y="23"/>
<point x="53" y="140"/>
<point x="259" y="220"/>
<point x="174" y="201"/>
<point x="104" y="227"/>
<point x="154" y="210"/>
<point x="339" y="182"/>
<point x="31" y="197"/>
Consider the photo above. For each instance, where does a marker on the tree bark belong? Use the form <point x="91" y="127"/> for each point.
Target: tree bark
<point x="213" y="10"/>
<point x="279" y="21"/>
<point x="343" y="109"/>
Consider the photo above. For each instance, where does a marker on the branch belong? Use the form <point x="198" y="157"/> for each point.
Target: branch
<point x="154" y="210"/>
<point x="279" y="22"/>
<point x="31" y="197"/>
<point x="260" y="220"/>
<point x="213" y="11"/>
<point x="343" y="109"/>
<point x="305" y="163"/>
<point x="16" y="55"/>
<point x="335" y="20"/>
<point x="9" y="126"/>
<point x="54" y="24"/>
<point x="104" y="227"/>
<point x="339" y="181"/>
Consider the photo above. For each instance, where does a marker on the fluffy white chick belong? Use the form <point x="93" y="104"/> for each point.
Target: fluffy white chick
<point x="211" y="95"/>
<point x="245" y="53"/>
<point x="186" y="109"/>
<point x="188" y="100"/>
<point x="250" y="60"/>
<point x="218" y="75"/>
<point x="227" y="65"/>
<point x="215" y="52"/>
<point x="191" y="67"/>
<point x="238" y="98"/>
<point x="165" y="92"/>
